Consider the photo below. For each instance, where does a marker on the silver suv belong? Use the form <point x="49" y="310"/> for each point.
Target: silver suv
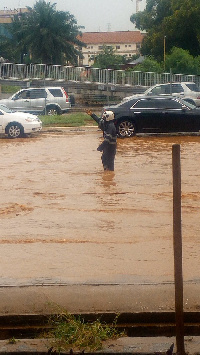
<point x="44" y="100"/>
<point x="188" y="91"/>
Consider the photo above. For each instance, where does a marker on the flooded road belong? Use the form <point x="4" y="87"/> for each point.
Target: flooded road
<point x="64" y="220"/>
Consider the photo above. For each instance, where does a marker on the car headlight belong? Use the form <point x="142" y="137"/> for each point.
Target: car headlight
<point x="31" y="119"/>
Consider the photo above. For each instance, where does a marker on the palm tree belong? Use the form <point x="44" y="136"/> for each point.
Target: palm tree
<point x="49" y="36"/>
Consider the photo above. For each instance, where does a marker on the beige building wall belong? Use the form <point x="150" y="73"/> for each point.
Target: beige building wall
<point x="7" y="15"/>
<point x="124" y="43"/>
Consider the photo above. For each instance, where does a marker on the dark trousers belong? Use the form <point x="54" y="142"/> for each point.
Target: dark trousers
<point x="108" y="157"/>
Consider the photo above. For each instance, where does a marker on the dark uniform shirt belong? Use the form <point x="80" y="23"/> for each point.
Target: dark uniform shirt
<point x="108" y="146"/>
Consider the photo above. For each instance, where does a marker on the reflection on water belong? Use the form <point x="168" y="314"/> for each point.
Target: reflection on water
<point x="108" y="179"/>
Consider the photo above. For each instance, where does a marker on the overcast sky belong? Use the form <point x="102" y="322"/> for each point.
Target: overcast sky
<point x="94" y="15"/>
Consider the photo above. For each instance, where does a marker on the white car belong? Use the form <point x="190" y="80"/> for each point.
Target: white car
<point x="188" y="91"/>
<point x="39" y="101"/>
<point x="16" y="124"/>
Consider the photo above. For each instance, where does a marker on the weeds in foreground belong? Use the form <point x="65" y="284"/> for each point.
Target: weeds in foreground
<point x="70" y="332"/>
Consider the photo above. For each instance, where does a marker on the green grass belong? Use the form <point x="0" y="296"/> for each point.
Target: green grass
<point x="67" y="120"/>
<point x="9" y="89"/>
<point x="70" y="332"/>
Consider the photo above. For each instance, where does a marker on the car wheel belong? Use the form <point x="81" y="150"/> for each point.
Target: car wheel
<point x="53" y="111"/>
<point x="14" y="130"/>
<point x="126" y="128"/>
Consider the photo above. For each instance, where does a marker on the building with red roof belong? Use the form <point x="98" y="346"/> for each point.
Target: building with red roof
<point x="124" y="43"/>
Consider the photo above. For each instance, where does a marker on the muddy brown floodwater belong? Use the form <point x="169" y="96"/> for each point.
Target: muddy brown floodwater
<point x="64" y="220"/>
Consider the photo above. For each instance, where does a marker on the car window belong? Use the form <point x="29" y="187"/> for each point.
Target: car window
<point x="158" y="90"/>
<point x="193" y="87"/>
<point x="147" y="104"/>
<point x="56" y="92"/>
<point x="24" y="94"/>
<point x="127" y="103"/>
<point x="158" y="104"/>
<point x="37" y="94"/>
<point x="176" y="88"/>
<point x="171" y="104"/>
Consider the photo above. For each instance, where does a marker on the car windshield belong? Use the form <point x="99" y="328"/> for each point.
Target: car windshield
<point x="127" y="102"/>
<point x="5" y="108"/>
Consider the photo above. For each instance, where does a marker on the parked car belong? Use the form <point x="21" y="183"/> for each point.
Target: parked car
<point x="44" y="100"/>
<point x="155" y="114"/>
<point x="16" y="124"/>
<point x="189" y="91"/>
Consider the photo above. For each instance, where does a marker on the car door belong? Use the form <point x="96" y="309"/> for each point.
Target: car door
<point x="37" y="100"/>
<point x="2" y="123"/>
<point x="146" y="114"/>
<point x="176" y="116"/>
<point x="176" y="89"/>
<point x="21" y="101"/>
<point x="190" y="120"/>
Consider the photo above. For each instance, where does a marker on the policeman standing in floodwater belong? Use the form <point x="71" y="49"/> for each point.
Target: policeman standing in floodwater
<point x="109" y="144"/>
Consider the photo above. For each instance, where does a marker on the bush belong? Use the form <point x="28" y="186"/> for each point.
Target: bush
<point x="70" y="332"/>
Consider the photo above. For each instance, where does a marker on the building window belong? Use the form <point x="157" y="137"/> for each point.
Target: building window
<point x="129" y="45"/>
<point x="100" y="47"/>
<point x="117" y="47"/>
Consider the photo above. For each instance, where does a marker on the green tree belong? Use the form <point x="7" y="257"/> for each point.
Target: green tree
<point x="180" y="61"/>
<point x="197" y="65"/>
<point x="49" y="36"/>
<point x="149" y="65"/>
<point x="11" y="42"/>
<point x="176" y="20"/>
<point x="108" y="59"/>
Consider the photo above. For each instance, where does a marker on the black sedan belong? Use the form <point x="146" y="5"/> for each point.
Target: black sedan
<point x="144" y="114"/>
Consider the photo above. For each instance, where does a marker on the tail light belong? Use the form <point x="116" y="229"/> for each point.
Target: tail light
<point x="198" y="97"/>
<point x="67" y="97"/>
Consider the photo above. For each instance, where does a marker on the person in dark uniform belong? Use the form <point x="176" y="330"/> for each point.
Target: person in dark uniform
<point x="109" y="144"/>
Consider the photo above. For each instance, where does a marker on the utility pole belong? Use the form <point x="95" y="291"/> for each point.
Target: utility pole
<point x="177" y="241"/>
<point x="164" y="51"/>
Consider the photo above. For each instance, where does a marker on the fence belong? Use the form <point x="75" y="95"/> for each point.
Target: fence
<point x="101" y="76"/>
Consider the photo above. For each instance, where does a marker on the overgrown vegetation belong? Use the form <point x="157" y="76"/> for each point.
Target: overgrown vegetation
<point x="67" y="120"/>
<point x="70" y="332"/>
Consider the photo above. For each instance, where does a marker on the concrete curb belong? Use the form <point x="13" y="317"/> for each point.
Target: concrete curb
<point x="136" y="346"/>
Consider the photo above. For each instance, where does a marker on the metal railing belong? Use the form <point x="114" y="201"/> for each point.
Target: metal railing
<point x="30" y="72"/>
